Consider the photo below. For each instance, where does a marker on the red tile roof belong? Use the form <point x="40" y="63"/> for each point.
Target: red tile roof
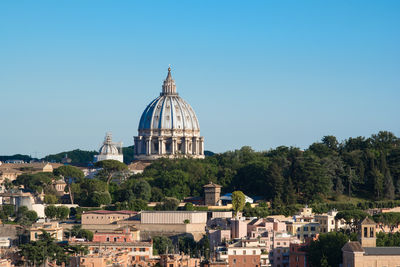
<point x="125" y="212"/>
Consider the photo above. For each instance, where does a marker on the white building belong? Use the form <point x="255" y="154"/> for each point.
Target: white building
<point x="110" y="150"/>
<point x="168" y="127"/>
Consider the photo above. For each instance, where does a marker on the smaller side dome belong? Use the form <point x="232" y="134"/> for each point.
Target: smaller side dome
<point x="109" y="150"/>
<point x="108" y="147"/>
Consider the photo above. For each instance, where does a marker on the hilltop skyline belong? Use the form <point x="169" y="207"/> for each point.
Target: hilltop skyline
<point x="260" y="74"/>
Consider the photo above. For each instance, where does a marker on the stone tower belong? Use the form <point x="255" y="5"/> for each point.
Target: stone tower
<point x="212" y="194"/>
<point x="367" y="234"/>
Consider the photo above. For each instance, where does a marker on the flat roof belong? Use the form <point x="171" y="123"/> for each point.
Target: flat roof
<point x="382" y="251"/>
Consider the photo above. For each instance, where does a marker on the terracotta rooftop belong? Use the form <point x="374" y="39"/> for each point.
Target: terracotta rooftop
<point x="128" y="212"/>
<point x="211" y="184"/>
<point x="353" y="246"/>
<point x="368" y="220"/>
<point x="138" y="165"/>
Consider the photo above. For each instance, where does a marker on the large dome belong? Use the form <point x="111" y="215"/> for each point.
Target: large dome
<point x="165" y="119"/>
<point x="169" y="112"/>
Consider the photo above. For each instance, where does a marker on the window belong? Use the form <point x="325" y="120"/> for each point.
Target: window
<point x="254" y="252"/>
<point x="244" y="252"/>
<point x="108" y="239"/>
<point x="298" y="228"/>
<point x="305" y="228"/>
<point x="312" y="228"/>
<point x="234" y="261"/>
<point x="305" y="236"/>
<point x="142" y="258"/>
<point x="115" y="239"/>
<point x="365" y="232"/>
<point x="234" y="252"/>
<point x="279" y="243"/>
<point x="371" y="232"/>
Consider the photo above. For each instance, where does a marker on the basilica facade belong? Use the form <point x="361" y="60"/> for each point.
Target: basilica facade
<point x="168" y="127"/>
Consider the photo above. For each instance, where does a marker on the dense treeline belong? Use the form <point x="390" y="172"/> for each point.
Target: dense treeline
<point x="82" y="157"/>
<point x="25" y="158"/>
<point x="362" y="167"/>
<point x="77" y="156"/>
<point x="366" y="168"/>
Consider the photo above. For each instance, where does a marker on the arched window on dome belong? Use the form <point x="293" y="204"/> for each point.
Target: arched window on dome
<point x="155" y="147"/>
<point x="168" y="147"/>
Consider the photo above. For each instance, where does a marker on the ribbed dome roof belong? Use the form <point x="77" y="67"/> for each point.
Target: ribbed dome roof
<point x="108" y="147"/>
<point x="169" y="111"/>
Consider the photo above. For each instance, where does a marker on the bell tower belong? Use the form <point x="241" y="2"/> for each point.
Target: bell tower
<point x="367" y="234"/>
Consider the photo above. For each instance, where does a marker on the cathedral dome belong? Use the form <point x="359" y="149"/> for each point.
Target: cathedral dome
<point x="168" y="127"/>
<point x="169" y="112"/>
<point x="109" y="150"/>
<point x="108" y="147"/>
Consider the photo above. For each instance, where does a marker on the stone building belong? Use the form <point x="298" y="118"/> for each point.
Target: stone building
<point x="168" y="127"/>
<point x="103" y="217"/>
<point x="212" y="194"/>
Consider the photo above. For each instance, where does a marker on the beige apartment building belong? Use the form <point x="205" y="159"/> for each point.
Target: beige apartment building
<point x="328" y="223"/>
<point x="244" y="253"/>
<point x="302" y="229"/>
<point x="50" y="227"/>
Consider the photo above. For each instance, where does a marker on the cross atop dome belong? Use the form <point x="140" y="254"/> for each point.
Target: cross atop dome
<point x="169" y="87"/>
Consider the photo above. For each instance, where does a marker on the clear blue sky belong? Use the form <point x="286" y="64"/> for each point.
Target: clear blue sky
<point x="258" y="73"/>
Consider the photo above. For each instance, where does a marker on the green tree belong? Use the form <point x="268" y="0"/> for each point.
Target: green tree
<point x="169" y="203"/>
<point x="68" y="171"/>
<point x="34" y="182"/>
<point x="328" y="246"/>
<point x="351" y="217"/>
<point x="77" y="231"/>
<point x="62" y="212"/>
<point x="156" y="194"/>
<point x="100" y="198"/>
<point x="50" y="211"/>
<point x="189" y="206"/>
<point x="388" y="185"/>
<point x="50" y="199"/>
<point x="110" y="168"/>
<point x="141" y="189"/>
<point x="44" y="250"/>
<point x="238" y="201"/>
<point x="26" y="217"/>
<point x="162" y="245"/>
<point x="137" y="204"/>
